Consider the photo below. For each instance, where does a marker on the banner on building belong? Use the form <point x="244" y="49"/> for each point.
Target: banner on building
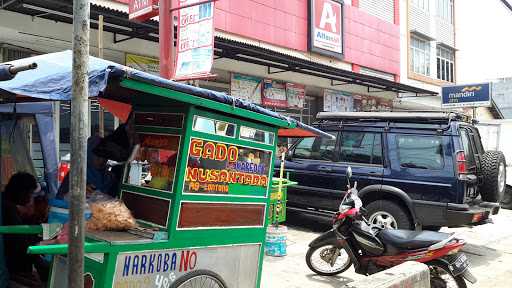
<point x="194" y="51"/>
<point x="363" y="103"/>
<point x="326" y="27"/>
<point x="246" y="87"/>
<point x="337" y="101"/>
<point x="473" y="95"/>
<point x="142" y="10"/>
<point x="143" y="63"/>
<point x="295" y="94"/>
<point x="274" y="93"/>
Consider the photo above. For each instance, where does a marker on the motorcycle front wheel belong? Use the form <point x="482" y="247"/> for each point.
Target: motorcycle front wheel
<point x="442" y="277"/>
<point x="328" y="260"/>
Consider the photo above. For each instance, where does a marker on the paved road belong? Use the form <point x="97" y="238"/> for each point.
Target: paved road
<point x="489" y="249"/>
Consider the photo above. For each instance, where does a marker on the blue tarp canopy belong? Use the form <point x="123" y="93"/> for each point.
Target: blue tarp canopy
<point x="52" y="81"/>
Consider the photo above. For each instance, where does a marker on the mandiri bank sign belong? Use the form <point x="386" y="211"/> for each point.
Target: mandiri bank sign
<point x="326" y="27"/>
<point x="473" y="95"/>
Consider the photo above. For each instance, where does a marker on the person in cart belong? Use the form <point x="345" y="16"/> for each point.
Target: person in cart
<point x="99" y="178"/>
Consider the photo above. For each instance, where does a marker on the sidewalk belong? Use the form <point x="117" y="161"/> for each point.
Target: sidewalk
<point x="489" y="248"/>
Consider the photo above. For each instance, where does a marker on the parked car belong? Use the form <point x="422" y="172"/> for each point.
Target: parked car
<point x="414" y="170"/>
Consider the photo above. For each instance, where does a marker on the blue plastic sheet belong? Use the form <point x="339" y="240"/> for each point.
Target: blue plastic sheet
<point x="42" y="112"/>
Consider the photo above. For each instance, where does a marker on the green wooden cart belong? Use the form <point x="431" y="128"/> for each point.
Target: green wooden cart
<point x="198" y="184"/>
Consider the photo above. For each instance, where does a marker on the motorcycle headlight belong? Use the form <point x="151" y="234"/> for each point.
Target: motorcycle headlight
<point x="344" y="208"/>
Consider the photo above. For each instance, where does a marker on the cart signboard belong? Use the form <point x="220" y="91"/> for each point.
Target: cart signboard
<point x="221" y="168"/>
<point x="472" y="95"/>
<point x="161" y="268"/>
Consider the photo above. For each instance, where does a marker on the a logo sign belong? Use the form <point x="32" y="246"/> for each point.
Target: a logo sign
<point x="194" y="51"/>
<point x="142" y="10"/>
<point x="473" y="95"/>
<point x="326" y="27"/>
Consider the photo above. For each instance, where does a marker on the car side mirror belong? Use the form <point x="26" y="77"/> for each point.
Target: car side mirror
<point x="288" y="155"/>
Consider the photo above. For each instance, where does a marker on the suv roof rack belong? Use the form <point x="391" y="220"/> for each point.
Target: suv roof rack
<point x="409" y="116"/>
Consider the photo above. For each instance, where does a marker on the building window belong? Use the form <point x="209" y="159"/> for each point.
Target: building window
<point x="422" y="4"/>
<point x="11" y="54"/>
<point x="445" y="64"/>
<point x="445" y="10"/>
<point x="420" y="56"/>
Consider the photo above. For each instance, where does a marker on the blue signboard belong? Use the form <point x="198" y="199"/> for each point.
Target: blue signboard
<point x="473" y="95"/>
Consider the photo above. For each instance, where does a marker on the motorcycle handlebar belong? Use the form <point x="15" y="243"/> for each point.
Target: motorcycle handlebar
<point x="8" y="72"/>
<point x="16" y="69"/>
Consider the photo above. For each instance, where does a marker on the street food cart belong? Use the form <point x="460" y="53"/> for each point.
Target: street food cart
<point x="202" y="212"/>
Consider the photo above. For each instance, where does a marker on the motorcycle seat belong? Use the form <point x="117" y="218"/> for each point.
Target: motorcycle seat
<point x="409" y="239"/>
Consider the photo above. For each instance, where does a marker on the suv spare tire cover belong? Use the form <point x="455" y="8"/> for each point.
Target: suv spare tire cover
<point x="493" y="186"/>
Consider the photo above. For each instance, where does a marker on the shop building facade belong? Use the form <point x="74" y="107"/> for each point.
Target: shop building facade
<point x="264" y="51"/>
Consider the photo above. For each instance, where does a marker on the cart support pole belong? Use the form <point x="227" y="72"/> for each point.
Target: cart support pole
<point x="79" y="121"/>
<point x="101" y="115"/>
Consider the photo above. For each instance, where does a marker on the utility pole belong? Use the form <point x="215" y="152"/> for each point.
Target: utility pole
<point x="79" y="121"/>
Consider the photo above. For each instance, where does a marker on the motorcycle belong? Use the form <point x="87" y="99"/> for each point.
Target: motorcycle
<point x="371" y="250"/>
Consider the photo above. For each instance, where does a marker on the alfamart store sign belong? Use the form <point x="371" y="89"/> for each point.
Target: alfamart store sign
<point x="326" y="27"/>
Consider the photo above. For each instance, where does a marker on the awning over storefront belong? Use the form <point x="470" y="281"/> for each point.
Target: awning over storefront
<point x="52" y="81"/>
<point x="116" y="21"/>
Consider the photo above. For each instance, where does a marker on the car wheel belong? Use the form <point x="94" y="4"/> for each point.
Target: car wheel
<point x="494" y="170"/>
<point x="385" y="214"/>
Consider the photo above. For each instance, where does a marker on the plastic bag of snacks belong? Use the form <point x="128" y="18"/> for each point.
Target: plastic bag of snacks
<point x="112" y="215"/>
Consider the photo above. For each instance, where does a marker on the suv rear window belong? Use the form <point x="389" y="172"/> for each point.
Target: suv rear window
<point x="320" y="148"/>
<point x="468" y="148"/>
<point x="361" y="147"/>
<point x="422" y="152"/>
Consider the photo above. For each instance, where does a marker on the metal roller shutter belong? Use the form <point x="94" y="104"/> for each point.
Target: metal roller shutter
<point x="384" y="9"/>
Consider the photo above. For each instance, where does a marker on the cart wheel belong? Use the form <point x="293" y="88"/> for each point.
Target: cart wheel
<point x="200" y="279"/>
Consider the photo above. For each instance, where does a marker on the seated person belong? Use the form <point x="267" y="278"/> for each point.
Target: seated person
<point x="17" y="209"/>
<point x="99" y="177"/>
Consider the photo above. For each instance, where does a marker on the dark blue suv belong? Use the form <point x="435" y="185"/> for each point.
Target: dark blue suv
<point x="413" y="170"/>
